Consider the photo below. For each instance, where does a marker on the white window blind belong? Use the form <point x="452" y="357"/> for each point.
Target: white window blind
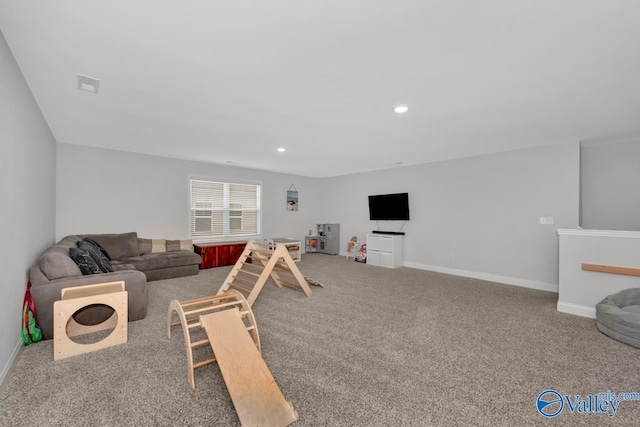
<point x="223" y="209"/>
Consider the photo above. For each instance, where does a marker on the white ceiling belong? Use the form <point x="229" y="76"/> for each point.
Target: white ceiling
<point x="230" y="81"/>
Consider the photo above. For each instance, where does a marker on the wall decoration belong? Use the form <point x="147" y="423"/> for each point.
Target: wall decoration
<point x="292" y="198"/>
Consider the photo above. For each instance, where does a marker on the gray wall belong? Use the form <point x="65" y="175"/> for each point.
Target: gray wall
<point x="610" y="175"/>
<point x="485" y="211"/>
<point x="108" y="191"/>
<point x="27" y="194"/>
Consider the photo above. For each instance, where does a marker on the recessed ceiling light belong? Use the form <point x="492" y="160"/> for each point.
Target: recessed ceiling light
<point x="401" y="109"/>
<point x="282" y="150"/>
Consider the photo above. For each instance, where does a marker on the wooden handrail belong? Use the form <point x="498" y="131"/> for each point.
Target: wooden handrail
<point x="610" y="269"/>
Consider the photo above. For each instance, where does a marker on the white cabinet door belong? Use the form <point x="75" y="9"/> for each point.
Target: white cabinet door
<point x="373" y="243"/>
<point x="386" y="259"/>
<point x="386" y="244"/>
<point x="373" y="257"/>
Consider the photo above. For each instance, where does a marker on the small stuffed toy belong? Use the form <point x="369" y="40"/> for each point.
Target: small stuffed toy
<point x="352" y="244"/>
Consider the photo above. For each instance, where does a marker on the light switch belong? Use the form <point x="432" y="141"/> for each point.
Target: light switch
<point x="546" y="220"/>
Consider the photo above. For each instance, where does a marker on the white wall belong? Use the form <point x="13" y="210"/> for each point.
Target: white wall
<point x="483" y="210"/>
<point x="108" y="191"/>
<point x="27" y="195"/>
<point x="610" y="173"/>
<point x="580" y="290"/>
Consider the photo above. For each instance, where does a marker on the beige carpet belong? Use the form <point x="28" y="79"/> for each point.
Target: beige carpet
<point x="375" y="347"/>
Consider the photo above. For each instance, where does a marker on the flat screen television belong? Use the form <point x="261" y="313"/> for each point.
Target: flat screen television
<point x="389" y="207"/>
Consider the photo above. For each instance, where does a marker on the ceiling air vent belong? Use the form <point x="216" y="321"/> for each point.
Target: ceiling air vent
<point x="87" y="83"/>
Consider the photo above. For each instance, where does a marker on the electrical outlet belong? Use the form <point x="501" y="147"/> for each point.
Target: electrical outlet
<point x="546" y="220"/>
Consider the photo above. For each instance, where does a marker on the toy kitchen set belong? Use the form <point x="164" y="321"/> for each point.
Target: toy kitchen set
<point x="327" y="241"/>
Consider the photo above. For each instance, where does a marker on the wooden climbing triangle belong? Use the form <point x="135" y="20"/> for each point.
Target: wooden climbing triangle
<point x="250" y="277"/>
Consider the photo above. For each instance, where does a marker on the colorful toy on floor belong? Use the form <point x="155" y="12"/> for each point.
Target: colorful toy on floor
<point x="31" y="332"/>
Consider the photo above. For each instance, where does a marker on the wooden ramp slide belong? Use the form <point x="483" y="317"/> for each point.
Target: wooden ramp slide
<point x="188" y="316"/>
<point x="253" y="390"/>
<point x="250" y="277"/>
<point x="225" y="324"/>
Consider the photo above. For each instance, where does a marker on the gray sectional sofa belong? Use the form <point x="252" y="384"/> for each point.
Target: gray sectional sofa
<point x="134" y="260"/>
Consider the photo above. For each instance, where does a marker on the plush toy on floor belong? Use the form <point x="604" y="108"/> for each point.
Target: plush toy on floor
<point x="352" y="245"/>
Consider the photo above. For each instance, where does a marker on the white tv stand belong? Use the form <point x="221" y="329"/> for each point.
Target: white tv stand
<point x="384" y="250"/>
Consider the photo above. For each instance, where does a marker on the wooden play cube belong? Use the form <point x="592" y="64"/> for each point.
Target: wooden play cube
<point x="111" y="294"/>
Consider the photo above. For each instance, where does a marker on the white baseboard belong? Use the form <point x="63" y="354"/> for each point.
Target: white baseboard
<point x="7" y="367"/>
<point x="578" y="310"/>
<point x="542" y="286"/>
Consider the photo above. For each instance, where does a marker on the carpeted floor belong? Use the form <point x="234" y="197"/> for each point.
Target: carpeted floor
<point x="375" y="347"/>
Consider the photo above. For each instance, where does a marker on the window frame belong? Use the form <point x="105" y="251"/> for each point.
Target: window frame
<point x="241" y="216"/>
<point x="226" y="210"/>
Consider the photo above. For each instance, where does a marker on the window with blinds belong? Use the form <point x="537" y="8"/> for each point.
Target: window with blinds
<point x="223" y="209"/>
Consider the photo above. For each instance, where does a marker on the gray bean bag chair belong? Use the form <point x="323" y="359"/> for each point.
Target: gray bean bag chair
<point x="618" y="316"/>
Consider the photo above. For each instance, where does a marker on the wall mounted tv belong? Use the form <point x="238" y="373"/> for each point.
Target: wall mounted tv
<point x="389" y="207"/>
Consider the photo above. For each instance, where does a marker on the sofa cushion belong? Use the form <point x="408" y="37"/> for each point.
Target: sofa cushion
<point x="144" y="246"/>
<point x="121" y="245"/>
<point x="163" y="260"/>
<point x="186" y="245"/>
<point x="68" y="241"/>
<point x="158" y="246"/>
<point x="120" y="266"/>
<point x="55" y="263"/>
<point x="173" y="245"/>
<point x="85" y="262"/>
<point x="95" y="252"/>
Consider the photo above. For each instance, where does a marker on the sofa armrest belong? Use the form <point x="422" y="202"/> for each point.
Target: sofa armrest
<point x="45" y="294"/>
<point x="36" y="276"/>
